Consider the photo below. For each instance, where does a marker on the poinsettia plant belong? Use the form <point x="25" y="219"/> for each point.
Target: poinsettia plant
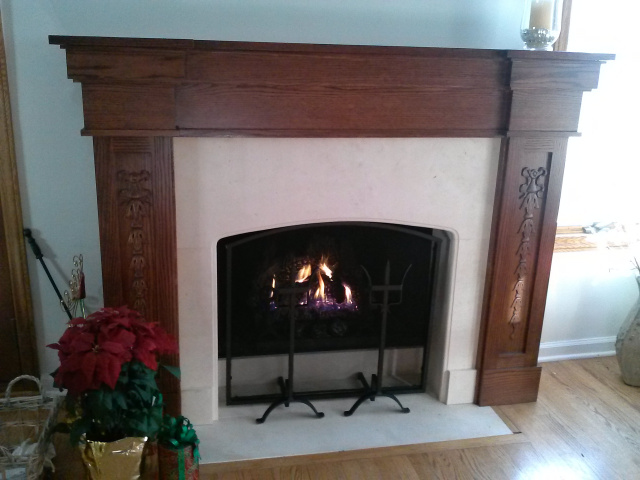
<point x="108" y="364"/>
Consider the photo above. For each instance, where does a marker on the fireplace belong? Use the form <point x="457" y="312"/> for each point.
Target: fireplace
<point x="326" y="274"/>
<point x="139" y="95"/>
<point x="230" y="187"/>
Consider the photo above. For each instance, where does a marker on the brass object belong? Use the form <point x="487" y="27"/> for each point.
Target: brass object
<point x="118" y="460"/>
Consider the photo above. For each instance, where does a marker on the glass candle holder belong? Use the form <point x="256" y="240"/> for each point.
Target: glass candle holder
<point x="541" y="22"/>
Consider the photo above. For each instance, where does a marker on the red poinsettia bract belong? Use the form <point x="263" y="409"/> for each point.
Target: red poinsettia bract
<point x="93" y="350"/>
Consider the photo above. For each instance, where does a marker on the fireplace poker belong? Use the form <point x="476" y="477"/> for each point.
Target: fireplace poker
<point x="38" y="253"/>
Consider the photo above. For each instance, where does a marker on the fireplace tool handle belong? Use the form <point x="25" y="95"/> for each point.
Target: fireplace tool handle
<point x="38" y="254"/>
<point x="375" y="388"/>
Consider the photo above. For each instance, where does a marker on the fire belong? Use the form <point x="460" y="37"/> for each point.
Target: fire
<point x="320" y="295"/>
<point x="348" y="297"/>
<point x="304" y="273"/>
<point x="321" y="286"/>
<point x="325" y="268"/>
<point x="273" y="286"/>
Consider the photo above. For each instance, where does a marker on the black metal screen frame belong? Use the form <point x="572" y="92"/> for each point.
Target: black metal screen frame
<point x="439" y="251"/>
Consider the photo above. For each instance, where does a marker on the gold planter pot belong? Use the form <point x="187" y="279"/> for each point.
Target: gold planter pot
<point x="118" y="460"/>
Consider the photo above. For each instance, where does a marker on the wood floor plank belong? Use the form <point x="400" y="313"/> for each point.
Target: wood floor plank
<point x="424" y="467"/>
<point x="522" y="456"/>
<point x="245" y="475"/>
<point x="606" y="371"/>
<point x="490" y="463"/>
<point x="448" y="464"/>
<point x="351" y="469"/>
<point x="608" y="413"/>
<point x="607" y="429"/>
<point x="294" y="472"/>
<point x="580" y="423"/>
<point x="397" y="467"/>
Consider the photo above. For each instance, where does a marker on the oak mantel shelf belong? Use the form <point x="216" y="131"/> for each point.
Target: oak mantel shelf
<point x="138" y="93"/>
<point x="216" y="45"/>
<point x="164" y="87"/>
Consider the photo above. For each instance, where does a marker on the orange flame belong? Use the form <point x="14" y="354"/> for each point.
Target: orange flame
<point x="303" y="274"/>
<point x="348" y="297"/>
<point x="325" y="268"/>
<point x="319" y="295"/>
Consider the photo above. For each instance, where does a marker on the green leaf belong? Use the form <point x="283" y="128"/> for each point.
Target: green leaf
<point x="107" y="400"/>
<point x="175" y="371"/>
<point x="120" y="400"/>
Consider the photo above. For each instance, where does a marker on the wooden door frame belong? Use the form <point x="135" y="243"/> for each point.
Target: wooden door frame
<point x="13" y="227"/>
<point x="562" y="43"/>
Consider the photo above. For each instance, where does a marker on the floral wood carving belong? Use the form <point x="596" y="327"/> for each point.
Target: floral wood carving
<point x="531" y="191"/>
<point x="137" y="201"/>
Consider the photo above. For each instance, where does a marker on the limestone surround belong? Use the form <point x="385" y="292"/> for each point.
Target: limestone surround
<point x="227" y="186"/>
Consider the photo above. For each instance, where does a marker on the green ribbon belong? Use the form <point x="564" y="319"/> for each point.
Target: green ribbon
<point x="178" y="433"/>
<point x="181" y="468"/>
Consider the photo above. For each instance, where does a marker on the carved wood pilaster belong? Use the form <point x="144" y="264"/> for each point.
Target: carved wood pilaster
<point x="134" y="178"/>
<point x="530" y="179"/>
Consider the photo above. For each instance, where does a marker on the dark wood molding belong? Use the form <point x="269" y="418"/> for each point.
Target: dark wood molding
<point x="200" y="88"/>
<point x="139" y="92"/>
<point x="11" y="222"/>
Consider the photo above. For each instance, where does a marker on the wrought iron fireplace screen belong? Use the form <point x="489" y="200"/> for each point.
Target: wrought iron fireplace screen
<point x="331" y="267"/>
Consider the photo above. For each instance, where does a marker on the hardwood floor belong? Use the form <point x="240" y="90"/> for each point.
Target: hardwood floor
<point x="585" y="425"/>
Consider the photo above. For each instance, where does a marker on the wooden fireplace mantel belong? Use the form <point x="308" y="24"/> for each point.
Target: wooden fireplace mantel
<point x="139" y="93"/>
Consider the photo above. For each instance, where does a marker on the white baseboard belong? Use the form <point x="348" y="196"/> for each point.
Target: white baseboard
<point x="573" y="349"/>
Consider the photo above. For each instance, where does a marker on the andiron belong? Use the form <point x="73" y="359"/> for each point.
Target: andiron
<point x="375" y="389"/>
<point x="286" y="386"/>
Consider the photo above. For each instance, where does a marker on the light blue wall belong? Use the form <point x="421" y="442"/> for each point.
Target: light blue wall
<point x="451" y="23"/>
<point x="590" y="295"/>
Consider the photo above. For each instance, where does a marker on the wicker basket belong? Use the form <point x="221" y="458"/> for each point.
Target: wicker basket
<point x="25" y="421"/>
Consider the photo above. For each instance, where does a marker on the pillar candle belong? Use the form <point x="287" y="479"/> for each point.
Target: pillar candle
<point x="541" y="14"/>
